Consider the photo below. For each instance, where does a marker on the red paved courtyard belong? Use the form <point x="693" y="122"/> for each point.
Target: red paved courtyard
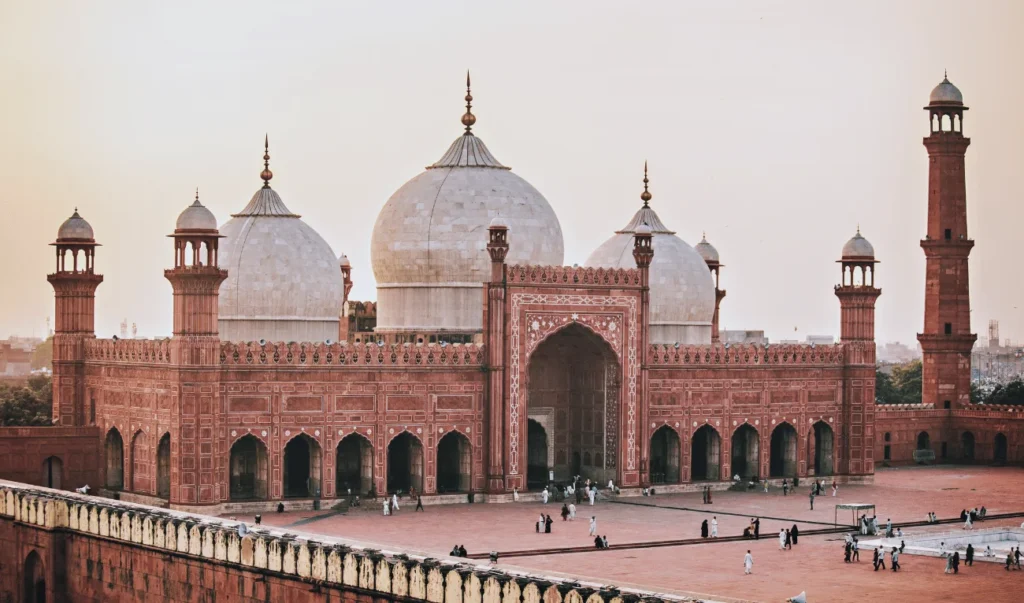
<point x="715" y="569"/>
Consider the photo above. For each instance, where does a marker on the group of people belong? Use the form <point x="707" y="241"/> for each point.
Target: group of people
<point x="647" y="491"/>
<point x="714" y="528"/>
<point x="972" y="515"/>
<point x="787" y="538"/>
<point x="579" y="487"/>
<point x="894" y="556"/>
<point x="458" y="551"/>
<point x="706" y="491"/>
<point x="390" y="505"/>
<point x="544" y="524"/>
<point x="568" y="512"/>
<point x="753" y="530"/>
<point x="601" y="542"/>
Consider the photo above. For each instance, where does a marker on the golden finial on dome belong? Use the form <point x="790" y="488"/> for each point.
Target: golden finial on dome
<point x="646" y="195"/>
<point x="468" y="119"/>
<point x="266" y="175"/>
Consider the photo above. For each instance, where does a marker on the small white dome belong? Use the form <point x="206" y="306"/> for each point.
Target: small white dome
<point x="75" y="228"/>
<point x="283" y="280"/>
<point x="499" y="222"/>
<point x="343" y="261"/>
<point x="707" y="251"/>
<point x="858" y="248"/>
<point x="946" y="93"/>
<point x="682" y="289"/>
<point x="643" y="229"/>
<point x="196" y="217"/>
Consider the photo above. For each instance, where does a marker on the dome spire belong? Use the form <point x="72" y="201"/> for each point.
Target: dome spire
<point x="646" y="195"/>
<point x="468" y="119"/>
<point x="266" y="175"/>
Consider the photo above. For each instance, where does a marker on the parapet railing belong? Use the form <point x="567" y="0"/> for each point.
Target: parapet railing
<point x="301" y="557"/>
<point x="142" y="351"/>
<point x="745" y="354"/>
<point x="528" y="274"/>
<point x="350" y="354"/>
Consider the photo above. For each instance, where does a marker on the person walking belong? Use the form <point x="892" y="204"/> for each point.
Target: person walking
<point x="544" y="495"/>
<point x="748" y="563"/>
<point x="949" y="564"/>
<point x="881" y="557"/>
<point x="785" y="487"/>
<point x="782" y="540"/>
<point x="812" y="499"/>
<point x="387" y="507"/>
<point x="714" y="527"/>
<point x="969" y="557"/>
<point x="895" y="556"/>
<point x="856" y="549"/>
<point x="547" y="524"/>
<point x="419" y="503"/>
<point x="394" y="502"/>
<point x="956" y="562"/>
<point x="572" y="512"/>
<point x="592" y="493"/>
<point x="710" y="500"/>
<point x="835" y="488"/>
<point x="704" y="529"/>
<point x="565" y="512"/>
<point x="795" y="532"/>
<point x="757" y="528"/>
<point x="515" y="494"/>
<point x="874" y="559"/>
<point x="847" y="551"/>
<point x="789" y="540"/>
<point x="968" y="524"/>
<point x="593" y="525"/>
<point x="704" y="495"/>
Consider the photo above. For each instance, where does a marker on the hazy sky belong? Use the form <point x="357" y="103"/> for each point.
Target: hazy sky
<point x="775" y="127"/>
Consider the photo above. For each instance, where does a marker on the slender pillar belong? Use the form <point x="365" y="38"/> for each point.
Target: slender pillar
<point x="494" y="342"/>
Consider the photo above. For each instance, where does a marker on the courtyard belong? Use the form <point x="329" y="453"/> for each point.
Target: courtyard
<point x="639" y="530"/>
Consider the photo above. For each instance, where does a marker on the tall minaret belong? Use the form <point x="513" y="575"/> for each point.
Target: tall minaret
<point x="74" y="286"/>
<point x="710" y="255"/>
<point x="947" y="339"/>
<point x="196" y="280"/>
<point x="857" y="292"/>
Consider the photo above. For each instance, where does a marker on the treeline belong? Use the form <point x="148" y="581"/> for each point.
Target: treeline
<point x="27" y="405"/>
<point x="903" y="386"/>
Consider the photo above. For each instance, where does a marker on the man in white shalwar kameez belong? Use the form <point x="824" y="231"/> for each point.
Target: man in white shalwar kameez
<point x="714" y="527"/>
<point x="572" y="512"/>
<point x="782" y="539"/>
<point x="592" y="493"/>
<point x="387" y="507"/>
<point x="544" y="495"/>
<point x="394" y="501"/>
<point x="593" y="525"/>
<point x="748" y="563"/>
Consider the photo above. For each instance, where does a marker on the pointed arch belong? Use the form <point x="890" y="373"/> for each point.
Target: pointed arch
<point x="537" y="450"/>
<point x="405" y="463"/>
<point x="821" y="442"/>
<point x="33" y="579"/>
<point x="113" y="452"/>
<point x="783" y="460"/>
<point x="302" y="465"/>
<point x="163" y="466"/>
<point x="665" y="452"/>
<point x="353" y="465"/>
<point x="53" y="472"/>
<point x="746" y="454"/>
<point x="454" y="462"/>
<point x="139" y="464"/>
<point x="248" y="468"/>
<point x="705" y="454"/>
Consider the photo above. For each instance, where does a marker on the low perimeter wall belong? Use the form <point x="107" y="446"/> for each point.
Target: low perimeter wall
<point x="69" y="456"/>
<point x="81" y="548"/>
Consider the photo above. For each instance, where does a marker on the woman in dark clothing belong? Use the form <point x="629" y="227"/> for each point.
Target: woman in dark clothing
<point x="704" y="529"/>
<point x="547" y="525"/>
<point x="956" y="562"/>
<point x="795" y="533"/>
<point x="565" y="512"/>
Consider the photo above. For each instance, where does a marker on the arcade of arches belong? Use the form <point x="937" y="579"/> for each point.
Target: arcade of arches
<point x="574" y="375"/>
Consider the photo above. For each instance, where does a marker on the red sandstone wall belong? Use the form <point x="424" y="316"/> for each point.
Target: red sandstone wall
<point x="84" y="569"/>
<point x="947" y="426"/>
<point x="23" y="451"/>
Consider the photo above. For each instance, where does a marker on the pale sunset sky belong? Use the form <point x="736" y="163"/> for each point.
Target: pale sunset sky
<point x="776" y="127"/>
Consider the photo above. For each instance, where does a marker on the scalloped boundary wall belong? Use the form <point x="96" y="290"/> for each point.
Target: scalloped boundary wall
<point x="94" y="549"/>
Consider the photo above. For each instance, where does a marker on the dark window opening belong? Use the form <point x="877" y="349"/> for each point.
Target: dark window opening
<point x="888" y="436"/>
<point x="943" y="450"/>
<point x="887" y="454"/>
<point x="949" y="234"/>
<point x="949" y="328"/>
<point x="946" y="404"/>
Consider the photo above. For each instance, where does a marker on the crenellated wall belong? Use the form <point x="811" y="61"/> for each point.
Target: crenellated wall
<point x="93" y="549"/>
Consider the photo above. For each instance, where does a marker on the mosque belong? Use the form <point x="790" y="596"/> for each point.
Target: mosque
<point x="484" y="366"/>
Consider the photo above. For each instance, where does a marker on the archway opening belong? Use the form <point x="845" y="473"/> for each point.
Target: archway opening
<point x="302" y="467"/>
<point x="999" y="448"/>
<point x="537" y="455"/>
<point x="405" y="463"/>
<point x="967" y="445"/>
<point x="163" y="467"/>
<point x="53" y="472"/>
<point x="705" y="452"/>
<point x="140" y="463"/>
<point x="34" y="579"/>
<point x="783" y="452"/>
<point x="454" y="463"/>
<point x="114" y="452"/>
<point x="665" y="448"/>
<point x="824" y="440"/>
<point x="923" y="441"/>
<point x="353" y="467"/>
<point x="249" y="469"/>
<point x="574" y="376"/>
<point x="745" y="452"/>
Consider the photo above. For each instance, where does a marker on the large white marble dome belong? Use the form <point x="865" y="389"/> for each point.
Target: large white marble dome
<point x="682" y="288"/>
<point x="283" y="281"/>
<point x="429" y="243"/>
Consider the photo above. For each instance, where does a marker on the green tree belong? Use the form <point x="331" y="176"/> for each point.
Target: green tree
<point x="42" y="356"/>
<point x="1010" y="394"/>
<point x="903" y="386"/>
<point x="28" y="405"/>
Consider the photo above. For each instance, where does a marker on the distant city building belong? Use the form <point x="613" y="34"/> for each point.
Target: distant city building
<point x="895" y="352"/>
<point x="995" y="364"/>
<point x="741" y="336"/>
<point x="16" y="356"/>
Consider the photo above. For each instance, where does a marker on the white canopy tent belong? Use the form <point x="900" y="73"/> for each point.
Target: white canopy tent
<point x="854" y="509"/>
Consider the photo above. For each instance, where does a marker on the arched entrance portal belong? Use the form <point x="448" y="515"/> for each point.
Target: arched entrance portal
<point x="536" y="455"/>
<point x="824" y="440"/>
<point x="140" y="463"/>
<point x="967" y="446"/>
<point x="163" y="467"/>
<point x="249" y="469"/>
<point x="783" y="453"/>
<point x="705" y="450"/>
<point x="454" y="463"/>
<point x="405" y="463"/>
<point x="999" y="448"/>
<point x="34" y="579"/>
<point x="745" y="452"/>
<point x="302" y="461"/>
<point x="923" y="441"/>
<point x="574" y="375"/>
<point x="53" y="472"/>
<point x="114" y="453"/>
<point x="353" y="467"/>
<point x="665" y="456"/>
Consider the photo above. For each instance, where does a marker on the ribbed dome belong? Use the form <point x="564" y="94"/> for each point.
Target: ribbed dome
<point x="75" y="228"/>
<point x="707" y="251"/>
<point x="283" y="280"/>
<point x="429" y="243"/>
<point x="858" y="248"/>
<point x="946" y="93"/>
<point x="682" y="289"/>
<point x="196" y="217"/>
